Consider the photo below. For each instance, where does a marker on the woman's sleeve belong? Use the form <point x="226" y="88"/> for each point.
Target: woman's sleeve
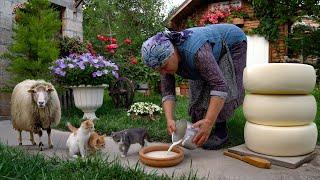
<point x="210" y="72"/>
<point x="168" y="87"/>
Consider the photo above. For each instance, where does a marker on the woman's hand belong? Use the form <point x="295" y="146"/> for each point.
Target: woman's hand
<point x="171" y="126"/>
<point x="205" y="127"/>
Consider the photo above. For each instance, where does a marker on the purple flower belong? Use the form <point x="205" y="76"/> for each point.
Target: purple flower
<point x="94" y="74"/>
<point x="99" y="73"/>
<point x="71" y="66"/>
<point x="81" y="65"/>
<point x="115" y="74"/>
<point x="60" y="63"/>
<point x="96" y="65"/>
<point x="59" y="71"/>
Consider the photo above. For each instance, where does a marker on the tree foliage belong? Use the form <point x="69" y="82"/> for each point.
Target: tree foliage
<point x="120" y="19"/>
<point x="34" y="45"/>
<point x="274" y="13"/>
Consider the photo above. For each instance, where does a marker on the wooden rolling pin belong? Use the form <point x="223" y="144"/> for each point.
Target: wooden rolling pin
<point x="255" y="161"/>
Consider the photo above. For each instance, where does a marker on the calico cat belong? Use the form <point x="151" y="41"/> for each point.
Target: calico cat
<point x="78" y="139"/>
<point x="96" y="142"/>
<point x="130" y="136"/>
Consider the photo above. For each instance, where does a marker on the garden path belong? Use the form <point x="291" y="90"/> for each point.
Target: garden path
<point x="212" y="164"/>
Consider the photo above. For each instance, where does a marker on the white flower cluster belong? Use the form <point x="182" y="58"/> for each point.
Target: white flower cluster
<point x="144" y="108"/>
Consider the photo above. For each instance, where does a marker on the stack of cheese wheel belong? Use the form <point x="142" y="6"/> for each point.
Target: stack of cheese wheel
<point x="279" y="109"/>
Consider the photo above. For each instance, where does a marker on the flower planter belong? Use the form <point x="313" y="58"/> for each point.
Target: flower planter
<point x="237" y="21"/>
<point x="144" y="88"/>
<point x="88" y="99"/>
<point x="184" y="89"/>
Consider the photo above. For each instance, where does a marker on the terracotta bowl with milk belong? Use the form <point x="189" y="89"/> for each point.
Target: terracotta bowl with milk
<point x="158" y="156"/>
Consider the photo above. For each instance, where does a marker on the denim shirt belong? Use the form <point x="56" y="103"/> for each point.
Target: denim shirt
<point x="212" y="34"/>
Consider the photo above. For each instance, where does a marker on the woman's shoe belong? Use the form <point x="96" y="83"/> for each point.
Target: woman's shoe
<point x="214" y="142"/>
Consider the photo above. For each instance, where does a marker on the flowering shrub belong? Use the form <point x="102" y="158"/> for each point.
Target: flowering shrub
<point x="144" y="109"/>
<point x="18" y="6"/>
<point x="213" y="17"/>
<point x="84" y="69"/>
<point x="220" y="15"/>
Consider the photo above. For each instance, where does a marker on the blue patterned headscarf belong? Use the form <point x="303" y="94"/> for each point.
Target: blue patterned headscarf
<point x="157" y="49"/>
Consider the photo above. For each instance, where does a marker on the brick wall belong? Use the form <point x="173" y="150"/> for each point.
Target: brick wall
<point x="278" y="49"/>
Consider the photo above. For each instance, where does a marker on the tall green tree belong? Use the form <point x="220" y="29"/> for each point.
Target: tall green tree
<point x="34" y="45"/>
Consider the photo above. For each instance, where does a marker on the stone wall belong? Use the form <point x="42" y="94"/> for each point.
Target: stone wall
<point x="71" y="26"/>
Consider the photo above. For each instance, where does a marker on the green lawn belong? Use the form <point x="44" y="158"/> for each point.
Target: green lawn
<point x="112" y="119"/>
<point x="18" y="164"/>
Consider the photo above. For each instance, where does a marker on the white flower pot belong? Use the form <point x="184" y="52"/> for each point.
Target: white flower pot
<point x="88" y="99"/>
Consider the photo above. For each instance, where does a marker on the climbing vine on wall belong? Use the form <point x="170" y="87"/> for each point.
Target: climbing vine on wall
<point x="274" y="13"/>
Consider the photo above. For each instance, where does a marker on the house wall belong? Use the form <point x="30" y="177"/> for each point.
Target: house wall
<point x="71" y="26"/>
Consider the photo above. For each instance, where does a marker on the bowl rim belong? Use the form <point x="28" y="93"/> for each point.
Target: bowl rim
<point x="143" y="151"/>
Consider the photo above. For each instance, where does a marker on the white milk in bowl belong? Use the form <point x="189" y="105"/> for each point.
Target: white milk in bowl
<point x="161" y="154"/>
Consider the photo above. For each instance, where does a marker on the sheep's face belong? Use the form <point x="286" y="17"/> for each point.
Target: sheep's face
<point x="41" y="94"/>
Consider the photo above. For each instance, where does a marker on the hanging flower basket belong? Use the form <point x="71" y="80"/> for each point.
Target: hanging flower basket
<point x="237" y="21"/>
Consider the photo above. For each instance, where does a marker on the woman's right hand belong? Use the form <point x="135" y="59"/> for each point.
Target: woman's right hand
<point x="171" y="126"/>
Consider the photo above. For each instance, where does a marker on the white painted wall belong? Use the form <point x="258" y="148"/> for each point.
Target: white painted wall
<point x="257" y="51"/>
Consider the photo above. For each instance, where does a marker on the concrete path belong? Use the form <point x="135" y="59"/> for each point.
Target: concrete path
<point x="208" y="164"/>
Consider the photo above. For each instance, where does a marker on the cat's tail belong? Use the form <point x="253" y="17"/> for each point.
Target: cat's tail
<point x="71" y="128"/>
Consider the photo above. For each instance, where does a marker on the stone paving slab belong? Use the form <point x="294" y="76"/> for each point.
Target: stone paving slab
<point x="208" y="164"/>
<point x="289" y="162"/>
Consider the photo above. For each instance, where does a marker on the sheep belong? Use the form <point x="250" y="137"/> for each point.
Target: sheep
<point x="35" y="106"/>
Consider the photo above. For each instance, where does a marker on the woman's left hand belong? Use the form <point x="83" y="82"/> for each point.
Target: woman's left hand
<point x="205" y="127"/>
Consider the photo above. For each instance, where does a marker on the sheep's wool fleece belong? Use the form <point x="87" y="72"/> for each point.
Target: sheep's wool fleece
<point x="24" y="111"/>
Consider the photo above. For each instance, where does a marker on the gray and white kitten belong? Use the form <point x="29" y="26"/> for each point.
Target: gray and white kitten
<point x="130" y="136"/>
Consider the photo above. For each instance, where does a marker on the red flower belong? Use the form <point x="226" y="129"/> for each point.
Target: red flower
<point x="102" y="38"/>
<point x="127" y="41"/>
<point x="133" y="60"/>
<point x="113" y="40"/>
<point x="111" y="48"/>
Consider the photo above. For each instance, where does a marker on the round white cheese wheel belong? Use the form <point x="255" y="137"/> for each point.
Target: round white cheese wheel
<point x="280" y="110"/>
<point x="279" y="78"/>
<point x="281" y="141"/>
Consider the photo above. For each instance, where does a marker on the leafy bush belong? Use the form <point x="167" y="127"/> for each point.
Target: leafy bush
<point x="144" y="108"/>
<point x="72" y="45"/>
<point x="34" y="45"/>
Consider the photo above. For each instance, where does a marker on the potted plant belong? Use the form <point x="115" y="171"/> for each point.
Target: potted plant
<point x="183" y="86"/>
<point x="237" y="16"/>
<point x="87" y="75"/>
<point x="144" y="110"/>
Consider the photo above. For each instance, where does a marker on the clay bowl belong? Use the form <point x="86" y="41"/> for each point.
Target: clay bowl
<point x="161" y="162"/>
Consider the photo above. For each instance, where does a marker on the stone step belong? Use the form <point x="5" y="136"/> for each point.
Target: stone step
<point x="4" y="118"/>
